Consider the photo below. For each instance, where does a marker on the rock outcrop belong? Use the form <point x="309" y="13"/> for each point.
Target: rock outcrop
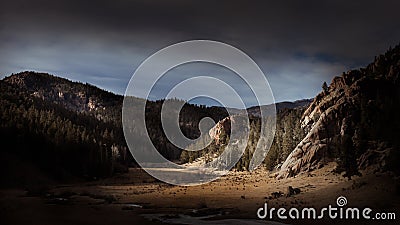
<point x="341" y="120"/>
<point x="221" y="130"/>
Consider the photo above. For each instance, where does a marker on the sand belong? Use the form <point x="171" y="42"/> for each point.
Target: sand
<point x="137" y="198"/>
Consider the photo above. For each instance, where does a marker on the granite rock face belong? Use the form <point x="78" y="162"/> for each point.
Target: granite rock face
<point x="350" y="113"/>
<point x="221" y="129"/>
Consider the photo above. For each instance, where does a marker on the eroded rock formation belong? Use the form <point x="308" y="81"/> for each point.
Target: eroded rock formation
<point x="359" y="107"/>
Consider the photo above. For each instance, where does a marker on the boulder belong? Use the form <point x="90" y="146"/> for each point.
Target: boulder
<point x="290" y="191"/>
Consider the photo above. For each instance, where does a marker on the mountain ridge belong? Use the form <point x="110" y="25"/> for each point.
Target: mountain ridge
<point x="60" y="115"/>
<point x="352" y="121"/>
<point x="30" y="79"/>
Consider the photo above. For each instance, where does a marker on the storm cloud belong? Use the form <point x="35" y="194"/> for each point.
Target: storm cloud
<point x="297" y="44"/>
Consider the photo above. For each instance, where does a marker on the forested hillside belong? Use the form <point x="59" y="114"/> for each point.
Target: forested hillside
<point x="75" y="129"/>
<point x="288" y="134"/>
<point x="353" y="122"/>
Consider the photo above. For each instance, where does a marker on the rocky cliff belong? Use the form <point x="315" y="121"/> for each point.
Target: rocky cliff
<point x="221" y="130"/>
<point x="348" y="119"/>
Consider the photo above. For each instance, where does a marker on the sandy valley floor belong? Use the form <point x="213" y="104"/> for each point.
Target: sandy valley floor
<point x="136" y="198"/>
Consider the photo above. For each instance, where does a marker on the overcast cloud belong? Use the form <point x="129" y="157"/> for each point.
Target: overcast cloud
<point x="298" y="44"/>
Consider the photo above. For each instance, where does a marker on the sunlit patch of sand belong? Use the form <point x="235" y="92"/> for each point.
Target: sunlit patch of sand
<point x="236" y="195"/>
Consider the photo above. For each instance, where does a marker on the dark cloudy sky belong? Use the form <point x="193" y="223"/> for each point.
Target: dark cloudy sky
<point x="297" y="44"/>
